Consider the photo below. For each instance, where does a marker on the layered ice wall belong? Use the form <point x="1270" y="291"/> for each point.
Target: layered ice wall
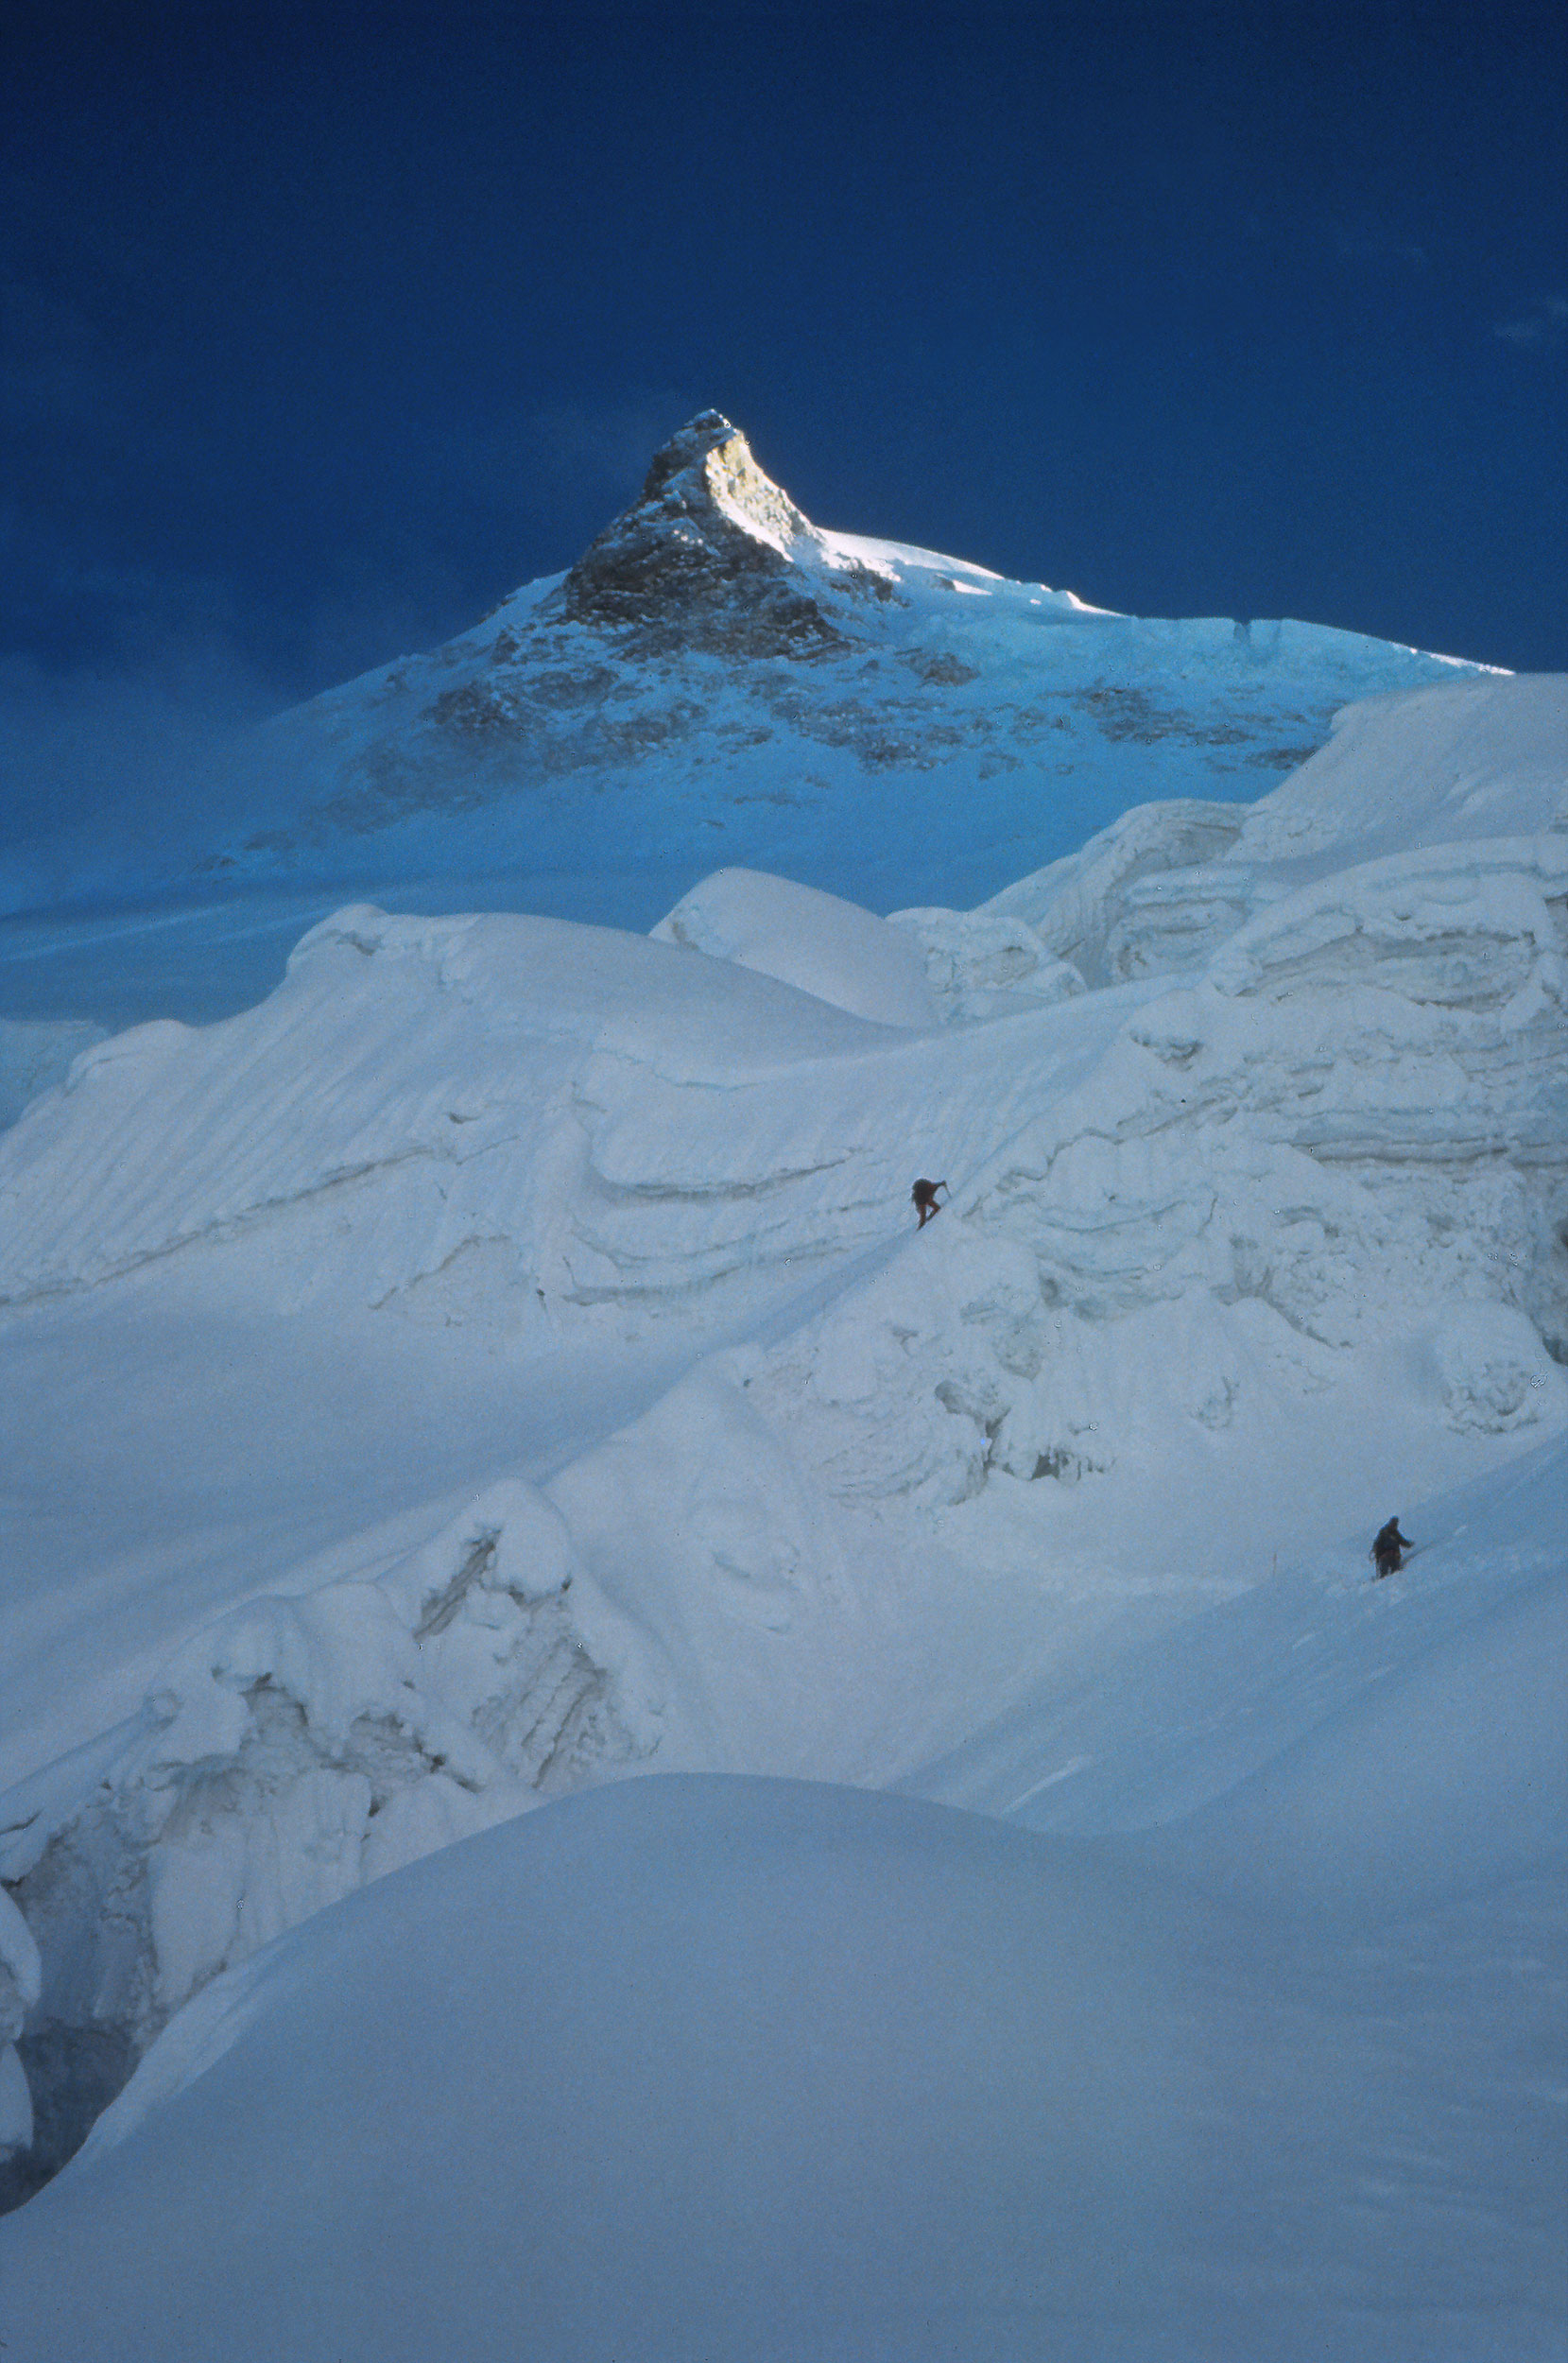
<point x="1249" y="1216"/>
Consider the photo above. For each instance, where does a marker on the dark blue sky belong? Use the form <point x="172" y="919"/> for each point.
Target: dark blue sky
<point x="325" y="328"/>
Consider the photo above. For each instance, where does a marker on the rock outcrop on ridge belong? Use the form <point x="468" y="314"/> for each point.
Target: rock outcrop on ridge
<point x="711" y="556"/>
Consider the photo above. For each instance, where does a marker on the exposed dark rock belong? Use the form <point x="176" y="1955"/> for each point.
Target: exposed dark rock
<point x="942" y="671"/>
<point x="706" y="557"/>
<point x="1123" y="713"/>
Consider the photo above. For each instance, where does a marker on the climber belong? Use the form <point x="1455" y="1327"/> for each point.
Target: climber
<point x="1388" y="1551"/>
<point x="924" y="1195"/>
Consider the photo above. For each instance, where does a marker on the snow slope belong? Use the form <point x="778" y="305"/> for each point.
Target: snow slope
<point x="1246" y="1700"/>
<point x="503" y="1362"/>
<point x="716" y="681"/>
<point x="708" y="2066"/>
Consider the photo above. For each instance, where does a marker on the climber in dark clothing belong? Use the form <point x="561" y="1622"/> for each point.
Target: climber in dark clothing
<point x="924" y="1195"/>
<point x="1388" y="1551"/>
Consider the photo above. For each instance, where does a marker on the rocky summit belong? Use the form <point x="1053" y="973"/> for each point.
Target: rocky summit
<point x="711" y="556"/>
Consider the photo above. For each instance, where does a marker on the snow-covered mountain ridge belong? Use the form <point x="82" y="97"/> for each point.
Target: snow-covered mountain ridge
<point x="718" y="679"/>
<point x="500" y="1361"/>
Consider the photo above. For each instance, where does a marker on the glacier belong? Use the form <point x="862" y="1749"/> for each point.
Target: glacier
<point x="524" y="1576"/>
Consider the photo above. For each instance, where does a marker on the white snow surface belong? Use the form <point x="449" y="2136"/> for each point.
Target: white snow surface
<point x="816" y="941"/>
<point x="504" y="1363"/>
<point x="1164" y="885"/>
<point x="735" y="2067"/>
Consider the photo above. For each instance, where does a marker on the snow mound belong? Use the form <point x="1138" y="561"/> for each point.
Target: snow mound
<point x="420" y="1047"/>
<point x="812" y="940"/>
<point x="702" y="2067"/>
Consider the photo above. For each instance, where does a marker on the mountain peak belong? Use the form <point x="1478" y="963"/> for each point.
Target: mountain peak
<point x="709" y="465"/>
<point x="706" y="550"/>
<point x="707" y="431"/>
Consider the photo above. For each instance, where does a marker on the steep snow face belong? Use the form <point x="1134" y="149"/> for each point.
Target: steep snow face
<point x="716" y="680"/>
<point x="654" y="1437"/>
<point x="1429" y="1691"/>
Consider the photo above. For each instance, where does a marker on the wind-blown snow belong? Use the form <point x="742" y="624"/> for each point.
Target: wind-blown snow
<point x="504" y="1362"/>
